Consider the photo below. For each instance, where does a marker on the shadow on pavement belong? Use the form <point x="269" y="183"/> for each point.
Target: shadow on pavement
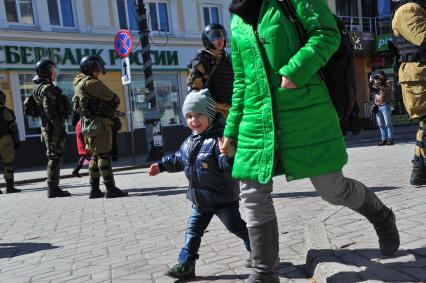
<point x="9" y="250"/>
<point x="372" y="269"/>
<point x="315" y="194"/>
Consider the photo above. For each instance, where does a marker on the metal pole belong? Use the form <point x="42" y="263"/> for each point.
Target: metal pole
<point x="152" y="117"/>
<point x="131" y="111"/>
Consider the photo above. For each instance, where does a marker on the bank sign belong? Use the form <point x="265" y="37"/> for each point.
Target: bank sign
<point x="19" y="55"/>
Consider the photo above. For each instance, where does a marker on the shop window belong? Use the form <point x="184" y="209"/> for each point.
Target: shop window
<point x="60" y="13"/>
<point x="158" y="16"/>
<point x="168" y="102"/>
<point x="32" y="125"/>
<point x="19" y="11"/>
<point x="211" y="15"/>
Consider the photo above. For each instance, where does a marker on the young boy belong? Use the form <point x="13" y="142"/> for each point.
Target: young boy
<point x="211" y="187"/>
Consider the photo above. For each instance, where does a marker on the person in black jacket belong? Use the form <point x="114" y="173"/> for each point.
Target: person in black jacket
<point x="211" y="187"/>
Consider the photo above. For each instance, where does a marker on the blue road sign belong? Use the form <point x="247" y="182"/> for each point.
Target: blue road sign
<point x="123" y="43"/>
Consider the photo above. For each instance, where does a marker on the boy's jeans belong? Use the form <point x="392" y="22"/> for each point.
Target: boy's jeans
<point x="384" y="122"/>
<point x="198" y="222"/>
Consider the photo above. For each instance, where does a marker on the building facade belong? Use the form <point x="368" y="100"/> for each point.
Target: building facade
<point x="67" y="30"/>
<point x="369" y="25"/>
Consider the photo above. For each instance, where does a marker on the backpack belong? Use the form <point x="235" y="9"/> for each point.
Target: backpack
<point x="31" y="107"/>
<point x="339" y="72"/>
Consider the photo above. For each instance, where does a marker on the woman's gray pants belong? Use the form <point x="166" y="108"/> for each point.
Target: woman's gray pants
<point x="262" y="224"/>
<point x="333" y="188"/>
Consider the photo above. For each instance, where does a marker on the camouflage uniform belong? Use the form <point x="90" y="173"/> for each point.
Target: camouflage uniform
<point x="9" y="140"/>
<point x="94" y="100"/>
<point x="408" y="26"/>
<point x="53" y="113"/>
<point x="206" y="70"/>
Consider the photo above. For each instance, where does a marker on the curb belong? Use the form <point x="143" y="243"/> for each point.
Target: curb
<point x="67" y="176"/>
<point x="321" y="263"/>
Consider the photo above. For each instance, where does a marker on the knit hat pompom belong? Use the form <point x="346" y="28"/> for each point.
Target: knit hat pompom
<point x="199" y="102"/>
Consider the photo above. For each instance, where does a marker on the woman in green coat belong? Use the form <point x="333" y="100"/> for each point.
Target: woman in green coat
<point x="282" y="121"/>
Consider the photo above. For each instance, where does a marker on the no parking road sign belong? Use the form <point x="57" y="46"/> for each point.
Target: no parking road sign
<point x="123" y="43"/>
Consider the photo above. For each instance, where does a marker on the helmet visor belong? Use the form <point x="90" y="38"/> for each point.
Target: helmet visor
<point x="216" y="34"/>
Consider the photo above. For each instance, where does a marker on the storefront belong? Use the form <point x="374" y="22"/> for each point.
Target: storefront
<point x="17" y="60"/>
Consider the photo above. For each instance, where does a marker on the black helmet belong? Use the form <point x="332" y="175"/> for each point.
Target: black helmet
<point x="2" y="98"/>
<point x="212" y="32"/>
<point x="43" y="68"/>
<point x="91" y="64"/>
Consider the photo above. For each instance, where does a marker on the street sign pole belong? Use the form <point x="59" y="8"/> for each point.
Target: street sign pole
<point x="123" y="47"/>
<point x="131" y="111"/>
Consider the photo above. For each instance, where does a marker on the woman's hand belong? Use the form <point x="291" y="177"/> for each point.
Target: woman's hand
<point x="226" y="147"/>
<point x="154" y="169"/>
<point x="286" y="83"/>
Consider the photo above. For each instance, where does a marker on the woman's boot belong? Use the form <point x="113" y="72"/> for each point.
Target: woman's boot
<point x="384" y="223"/>
<point x="264" y="253"/>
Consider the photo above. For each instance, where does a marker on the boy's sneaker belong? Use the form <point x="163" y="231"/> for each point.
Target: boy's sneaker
<point x="390" y="142"/>
<point x="182" y="271"/>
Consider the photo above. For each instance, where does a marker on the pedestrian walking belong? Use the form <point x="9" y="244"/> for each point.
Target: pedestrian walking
<point x="380" y="91"/>
<point x="9" y="142"/>
<point x="282" y="121"/>
<point x="54" y="109"/>
<point x="211" y="187"/>
<point x="84" y="156"/>
<point x="96" y="104"/>
<point x="211" y="68"/>
<point x="408" y="26"/>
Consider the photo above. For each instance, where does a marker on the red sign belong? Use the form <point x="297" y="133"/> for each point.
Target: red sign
<point x="123" y="43"/>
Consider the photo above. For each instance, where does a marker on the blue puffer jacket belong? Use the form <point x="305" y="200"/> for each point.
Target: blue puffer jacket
<point x="208" y="171"/>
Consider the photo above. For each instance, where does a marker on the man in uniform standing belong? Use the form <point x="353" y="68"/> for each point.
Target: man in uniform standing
<point x="409" y="28"/>
<point x="96" y="104"/>
<point x="211" y="68"/>
<point x="53" y="110"/>
<point x="9" y="141"/>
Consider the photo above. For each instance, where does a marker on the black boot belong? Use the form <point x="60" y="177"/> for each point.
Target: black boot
<point x="418" y="174"/>
<point x="9" y="187"/>
<point x="95" y="192"/>
<point x="383" y="220"/>
<point x="76" y="170"/>
<point x="264" y="253"/>
<point x="53" y="191"/>
<point x="113" y="191"/>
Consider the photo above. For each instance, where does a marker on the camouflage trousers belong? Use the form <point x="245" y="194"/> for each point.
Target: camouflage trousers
<point x="100" y="165"/>
<point x="55" y="146"/>
<point x="7" y="155"/>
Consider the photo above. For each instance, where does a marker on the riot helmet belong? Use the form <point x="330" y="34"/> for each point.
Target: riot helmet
<point x="91" y="64"/>
<point x="211" y="33"/>
<point x="44" y="68"/>
<point x="2" y="98"/>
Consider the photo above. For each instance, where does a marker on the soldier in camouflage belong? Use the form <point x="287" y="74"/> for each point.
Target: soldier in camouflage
<point x="53" y="110"/>
<point x="211" y="68"/>
<point x="96" y="105"/>
<point x="9" y="141"/>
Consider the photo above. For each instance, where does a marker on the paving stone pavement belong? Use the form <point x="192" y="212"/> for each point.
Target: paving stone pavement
<point x="136" y="239"/>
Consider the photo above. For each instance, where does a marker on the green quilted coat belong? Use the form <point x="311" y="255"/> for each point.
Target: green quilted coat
<point x="297" y="127"/>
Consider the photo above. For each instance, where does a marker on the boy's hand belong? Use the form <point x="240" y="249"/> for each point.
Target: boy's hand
<point x="226" y="147"/>
<point x="154" y="169"/>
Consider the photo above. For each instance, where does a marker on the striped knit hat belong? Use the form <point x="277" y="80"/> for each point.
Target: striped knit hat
<point x="200" y="102"/>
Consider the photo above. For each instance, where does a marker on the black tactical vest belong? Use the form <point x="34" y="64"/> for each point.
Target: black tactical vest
<point x="408" y="52"/>
<point x="221" y="82"/>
